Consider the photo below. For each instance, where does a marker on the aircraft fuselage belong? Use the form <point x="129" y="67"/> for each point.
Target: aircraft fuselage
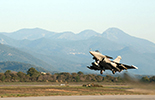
<point x="103" y="63"/>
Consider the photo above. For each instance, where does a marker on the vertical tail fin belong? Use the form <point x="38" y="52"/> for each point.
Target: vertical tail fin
<point x="117" y="60"/>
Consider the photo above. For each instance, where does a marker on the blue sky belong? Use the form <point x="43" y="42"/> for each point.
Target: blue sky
<point x="135" y="17"/>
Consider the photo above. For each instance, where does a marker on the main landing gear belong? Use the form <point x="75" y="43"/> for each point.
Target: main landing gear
<point x="101" y="72"/>
<point x="113" y="72"/>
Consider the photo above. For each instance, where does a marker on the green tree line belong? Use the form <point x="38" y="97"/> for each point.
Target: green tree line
<point x="147" y="79"/>
<point x="33" y="75"/>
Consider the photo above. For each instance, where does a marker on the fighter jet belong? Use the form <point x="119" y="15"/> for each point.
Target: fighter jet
<point x="103" y="62"/>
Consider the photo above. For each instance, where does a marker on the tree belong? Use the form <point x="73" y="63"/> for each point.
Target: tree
<point x="33" y="73"/>
<point x="152" y="79"/>
<point x="14" y="77"/>
<point x="74" y="75"/>
<point x="23" y="77"/>
<point x="7" y="75"/>
<point x="77" y="78"/>
<point x="80" y="73"/>
<point x="145" y="79"/>
<point x="99" y="78"/>
<point x="2" y="77"/>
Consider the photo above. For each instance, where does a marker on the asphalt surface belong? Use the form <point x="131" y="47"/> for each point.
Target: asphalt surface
<point x="105" y="97"/>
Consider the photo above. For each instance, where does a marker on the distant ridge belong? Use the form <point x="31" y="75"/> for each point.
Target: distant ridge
<point x="8" y="53"/>
<point x="30" y="34"/>
<point x="115" y="34"/>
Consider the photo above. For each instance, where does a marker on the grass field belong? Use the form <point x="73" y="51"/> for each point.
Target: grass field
<point x="53" y="89"/>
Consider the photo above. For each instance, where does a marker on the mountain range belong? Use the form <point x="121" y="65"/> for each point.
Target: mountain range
<point x="67" y="51"/>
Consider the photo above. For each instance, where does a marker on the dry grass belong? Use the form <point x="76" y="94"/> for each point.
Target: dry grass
<point x="146" y="88"/>
<point x="20" y="91"/>
<point x="53" y="89"/>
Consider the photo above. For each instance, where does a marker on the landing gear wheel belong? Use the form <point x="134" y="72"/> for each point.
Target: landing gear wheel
<point x="113" y="72"/>
<point x="101" y="72"/>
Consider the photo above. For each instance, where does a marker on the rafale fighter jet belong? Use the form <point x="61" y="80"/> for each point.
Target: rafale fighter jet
<point x="103" y="62"/>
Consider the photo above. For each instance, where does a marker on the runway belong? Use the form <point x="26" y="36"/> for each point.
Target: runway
<point x="103" y="97"/>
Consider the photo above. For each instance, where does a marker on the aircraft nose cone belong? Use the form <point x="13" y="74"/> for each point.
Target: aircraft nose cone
<point x="91" y="52"/>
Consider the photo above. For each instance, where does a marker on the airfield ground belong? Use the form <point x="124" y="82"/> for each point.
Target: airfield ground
<point x="73" y="89"/>
<point x="87" y="97"/>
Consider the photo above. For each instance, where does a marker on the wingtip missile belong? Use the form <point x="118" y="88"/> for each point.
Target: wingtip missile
<point x="135" y="67"/>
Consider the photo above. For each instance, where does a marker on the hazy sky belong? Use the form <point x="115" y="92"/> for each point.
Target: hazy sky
<point x="135" y="17"/>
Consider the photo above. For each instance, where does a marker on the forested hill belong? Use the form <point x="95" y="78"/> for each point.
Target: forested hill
<point x="18" y="66"/>
<point x="8" y="53"/>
